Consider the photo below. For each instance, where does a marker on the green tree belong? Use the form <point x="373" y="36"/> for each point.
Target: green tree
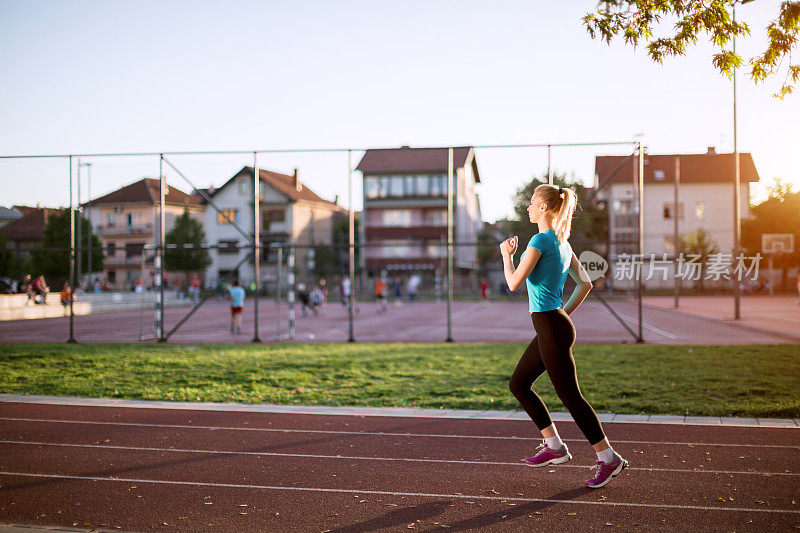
<point x="635" y="20"/>
<point x="341" y="241"/>
<point x="187" y="231"/>
<point x="698" y="243"/>
<point x="10" y="264"/>
<point x="52" y="259"/>
<point x="589" y="222"/>
<point x="779" y="213"/>
<point x="326" y="262"/>
<point x="488" y="252"/>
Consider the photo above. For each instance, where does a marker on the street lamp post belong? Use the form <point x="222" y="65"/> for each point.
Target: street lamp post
<point x="78" y="243"/>
<point x="89" y="234"/>
<point x="737" y="222"/>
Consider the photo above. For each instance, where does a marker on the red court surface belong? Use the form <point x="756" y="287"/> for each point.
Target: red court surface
<point x="500" y="321"/>
<point x="188" y="470"/>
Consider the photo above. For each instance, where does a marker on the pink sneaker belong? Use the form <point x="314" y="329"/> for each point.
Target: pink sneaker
<point x="606" y="472"/>
<point x="548" y="456"/>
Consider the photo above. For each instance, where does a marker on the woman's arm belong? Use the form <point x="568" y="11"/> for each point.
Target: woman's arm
<point x="516" y="277"/>
<point x="582" y="282"/>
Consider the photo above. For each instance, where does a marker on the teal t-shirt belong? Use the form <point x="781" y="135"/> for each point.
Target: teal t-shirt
<point x="237" y="295"/>
<point x="545" y="283"/>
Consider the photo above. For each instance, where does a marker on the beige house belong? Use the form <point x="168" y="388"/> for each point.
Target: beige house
<point x="705" y="200"/>
<point x="290" y="213"/>
<point x="126" y="220"/>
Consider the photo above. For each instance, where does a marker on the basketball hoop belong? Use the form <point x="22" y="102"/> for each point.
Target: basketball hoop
<point x="777" y="244"/>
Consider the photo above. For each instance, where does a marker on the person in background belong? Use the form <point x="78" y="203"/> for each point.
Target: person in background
<point x="302" y="296"/>
<point x="413" y="286"/>
<point x="194" y="289"/>
<point x="317" y="298"/>
<point x="40" y="289"/>
<point x="484" y="292"/>
<point x="798" y="284"/>
<point x="26" y="286"/>
<point x="323" y="288"/>
<point x="237" y="307"/>
<point x="398" y="292"/>
<point x="346" y="290"/>
<point x="380" y="294"/>
<point x="66" y="296"/>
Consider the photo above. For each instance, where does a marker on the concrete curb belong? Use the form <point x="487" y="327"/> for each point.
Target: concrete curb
<point x="399" y="412"/>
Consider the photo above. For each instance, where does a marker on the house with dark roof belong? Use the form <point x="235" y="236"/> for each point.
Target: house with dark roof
<point x="23" y="227"/>
<point x="8" y="215"/>
<point x="404" y="221"/>
<point x="290" y="212"/>
<point x="126" y="220"/>
<point x="705" y="200"/>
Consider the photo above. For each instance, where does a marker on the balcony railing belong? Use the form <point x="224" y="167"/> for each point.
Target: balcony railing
<point x="138" y="229"/>
<point x="630" y="220"/>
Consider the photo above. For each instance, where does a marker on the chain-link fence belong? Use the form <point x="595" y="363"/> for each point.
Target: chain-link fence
<point x="146" y="247"/>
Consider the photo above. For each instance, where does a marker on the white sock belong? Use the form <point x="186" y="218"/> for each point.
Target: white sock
<point x="555" y="442"/>
<point x="606" y="455"/>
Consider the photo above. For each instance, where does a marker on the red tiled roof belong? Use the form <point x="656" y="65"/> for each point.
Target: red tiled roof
<point x="708" y="167"/>
<point x="406" y="159"/>
<point x="31" y="226"/>
<point x="145" y="191"/>
<point x="284" y="184"/>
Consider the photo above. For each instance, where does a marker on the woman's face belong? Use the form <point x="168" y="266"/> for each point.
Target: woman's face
<point x="536" y="208"/>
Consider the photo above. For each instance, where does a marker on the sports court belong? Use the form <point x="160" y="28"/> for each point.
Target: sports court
<point x="500" y="321"/>
<point x="81" y="463"/>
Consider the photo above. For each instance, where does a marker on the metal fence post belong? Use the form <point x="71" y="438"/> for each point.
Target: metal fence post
<point x="351" y="244"/>
<point x="256" y="245"/>
<point x="71" y="338"/>
<point x="162" y="245"/>
<point x="639" y="285"/>
<point x="737" y="223"/>
<point x="278" y="294"/>
<point x="449" y="244"/>
<point x="677" y="284"/>
<point x="79" y="252"/>
<point x="89" y="218"/>
<point x="290" y="280"/>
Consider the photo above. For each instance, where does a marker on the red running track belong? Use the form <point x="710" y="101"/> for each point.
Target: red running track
<point x="166" y="470"/>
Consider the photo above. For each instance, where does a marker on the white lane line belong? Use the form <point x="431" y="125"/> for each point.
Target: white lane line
<point x="387" y="434"/>
<point x="365" y="458"/>
<point x="649" y="326"/>
<point x="409" y="494"/>
<point x="384" y="434"/>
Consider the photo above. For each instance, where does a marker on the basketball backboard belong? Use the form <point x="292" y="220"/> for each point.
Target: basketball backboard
<point x="777" y="243"/>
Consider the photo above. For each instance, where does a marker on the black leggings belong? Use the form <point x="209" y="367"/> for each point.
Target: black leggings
<point x="551" y="350"/>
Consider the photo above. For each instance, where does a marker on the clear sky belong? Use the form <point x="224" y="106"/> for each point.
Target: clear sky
<point x="109" y="76"/>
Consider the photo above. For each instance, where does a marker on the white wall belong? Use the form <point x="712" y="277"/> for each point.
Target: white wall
<point x="716" y="219"/>
<point x="238" y="194"/>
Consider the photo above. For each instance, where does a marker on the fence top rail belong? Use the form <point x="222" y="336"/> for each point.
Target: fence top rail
<point x="309" y="150"/>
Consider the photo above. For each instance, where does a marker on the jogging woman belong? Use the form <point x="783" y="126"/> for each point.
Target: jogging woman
<point x="543" y="267"/>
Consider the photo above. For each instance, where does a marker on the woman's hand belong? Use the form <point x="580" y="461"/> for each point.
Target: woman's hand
<point x="509" y="246"/>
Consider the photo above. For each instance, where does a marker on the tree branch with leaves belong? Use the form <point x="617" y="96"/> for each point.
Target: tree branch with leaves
<point x="635" y="20"/>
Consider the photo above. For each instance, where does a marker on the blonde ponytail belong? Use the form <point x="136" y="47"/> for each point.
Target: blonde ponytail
<point x="561" y="203"/>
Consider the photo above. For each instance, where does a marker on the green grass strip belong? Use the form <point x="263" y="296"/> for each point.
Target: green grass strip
<point x="752" y="380"/>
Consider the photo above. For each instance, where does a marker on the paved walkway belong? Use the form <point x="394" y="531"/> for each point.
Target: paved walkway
<point x="778" y="313"/>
